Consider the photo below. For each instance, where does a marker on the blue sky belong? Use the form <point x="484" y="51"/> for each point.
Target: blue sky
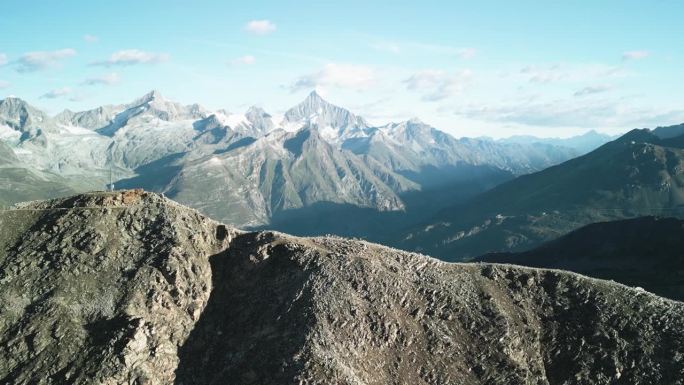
<point x="495" y="68"/>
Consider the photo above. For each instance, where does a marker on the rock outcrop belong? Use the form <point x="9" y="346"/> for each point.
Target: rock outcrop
<point x="131" y="288"/>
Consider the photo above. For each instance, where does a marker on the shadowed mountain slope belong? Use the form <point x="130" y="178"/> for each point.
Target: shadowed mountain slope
<point x="636" y="175"/>
<point x="645" y="252"/>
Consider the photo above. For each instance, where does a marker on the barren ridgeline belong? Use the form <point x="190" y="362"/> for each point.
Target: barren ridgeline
<point x="129" y="287"/>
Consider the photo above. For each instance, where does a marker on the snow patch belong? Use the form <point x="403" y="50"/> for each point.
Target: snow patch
<point x="7" y="133"/>
<point x="235" y="120"/>
<point x="75" y="130"/>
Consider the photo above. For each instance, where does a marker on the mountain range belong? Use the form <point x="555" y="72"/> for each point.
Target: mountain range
<point x="255" y="169"/>
<point x="639" y="174"/>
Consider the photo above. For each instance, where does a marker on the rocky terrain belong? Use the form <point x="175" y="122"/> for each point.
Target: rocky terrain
<point x="131" y="288"/>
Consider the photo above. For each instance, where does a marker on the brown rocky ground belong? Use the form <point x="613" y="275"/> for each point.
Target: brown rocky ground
<point x="131" y="288"/>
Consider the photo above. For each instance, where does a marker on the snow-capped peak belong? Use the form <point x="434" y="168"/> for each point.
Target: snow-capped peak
<point x="149" y="97"/>
<point x="334" y="121"/>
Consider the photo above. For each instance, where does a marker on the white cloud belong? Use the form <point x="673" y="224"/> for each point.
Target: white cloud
<point x="40" y="60"/>
<point x="337" y="75"/>
<point x="3" y="59"/>
<point x="104" y="80"/>
<point x="4" y="84"/>
<point x="247" y="59"/>
<point x="635" y="55"/>
<point x="592" y="90"/>
<point x="56" y="93"/>
<point x="129" y="57"/>
<point x="90" y="38"/>
<point x="260" y="27"/>
<point x="437" y="84"/>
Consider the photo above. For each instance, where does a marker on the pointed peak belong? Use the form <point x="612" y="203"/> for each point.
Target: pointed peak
<point x="154" y="94"/>
<point x="315" y="99"/>
<point x="149" y="97"/>
<point x="14" y="100"/>
<point x="256" y="110"/>
<point x="314" y="95"/>
<point x="15" y="104"/>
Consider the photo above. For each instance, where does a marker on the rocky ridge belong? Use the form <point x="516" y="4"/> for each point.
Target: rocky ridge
<point x="129" y="287"/>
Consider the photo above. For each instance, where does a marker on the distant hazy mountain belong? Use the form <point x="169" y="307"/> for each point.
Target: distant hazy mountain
<point x="21" y="122"/>
<point x="429" y="156"/>
<point x="644" y="252"/>
<point x="581" y="143"/>
<point x="51" y="158"/>
<point x="248" y="168"/>
<point x="638" y="174"/>
<point x="669" y="132"/>
<point x="22" y="183"/>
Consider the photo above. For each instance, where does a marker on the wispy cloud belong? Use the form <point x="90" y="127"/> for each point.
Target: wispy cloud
<point x="438" y="84"/>
<point x="4" y="84"/>
<point x="281" y="54"/>
<point x="386" y="46"/>
<point x="635" y="55"/>
<point x="260" y="27"/>
<point x="419" y="48"/>
<point x="571" y="112"/>
<point x="542" y="74"/>
<point x="247" y="59"/>
<point x="41" y="60"/>
<point x="408" y="47"/>
<point x="592" y="90"/>
<point x="467" y="53"/>
<point x="3" y="59"/>
<point x="56" y="93"/>
<point x="130" y="57"/>
<point x="104" y="80"/>
<point x="337" y="75"/>
<point x="90" y="38"/>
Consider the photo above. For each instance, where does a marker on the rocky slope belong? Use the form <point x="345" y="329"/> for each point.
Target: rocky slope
<point x="128" y="287"/>
<point x="644" y="252"/>
<point x="278" y="172"/>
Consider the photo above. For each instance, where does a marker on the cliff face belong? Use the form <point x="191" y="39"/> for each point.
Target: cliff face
<point x="128" y="287"/>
